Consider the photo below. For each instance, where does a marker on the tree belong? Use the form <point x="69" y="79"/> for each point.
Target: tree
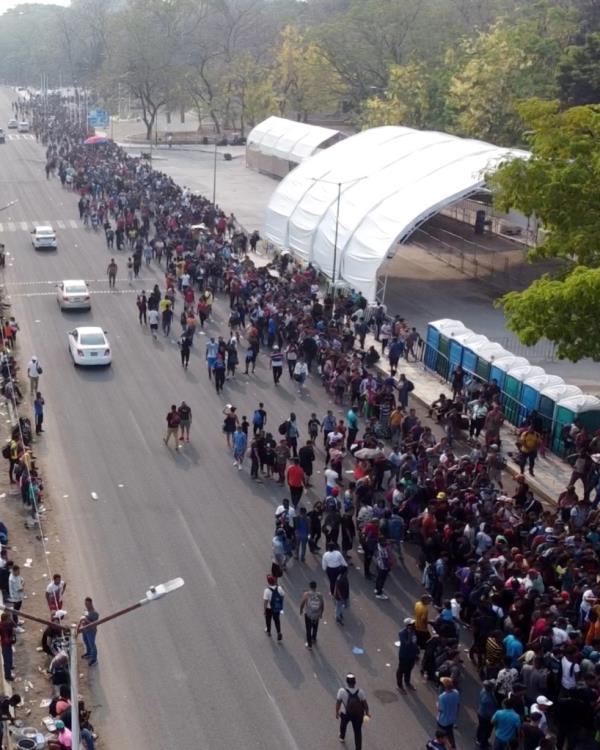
<point x="508" y="63"/>
<point x="304" y="79"/>
<point x="578" y="76"/>
<point x="559" y="185"/>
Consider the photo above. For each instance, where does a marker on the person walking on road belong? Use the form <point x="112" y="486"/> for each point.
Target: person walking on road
<point x="240" y="442"/>
<point x="341" y="594"/>
<point x="184" y="350"/>
<point x="351" y="707"/>
<point x="312" y="606"/>
<point x="259" y="419"/>
<point x="87" y="620"/>
<point x="112" y="273"/>
<point x="173" y="421"/>
<point x="212" y="349"/>
<point x="230" y="423"/>
<point x="130" y="270"/>
<point x="34" y="370"/>
<point x="153" y="320"/>
<point x="185" y="421"/>
<point x="276" y="364"/>
<point x="142" y="306"/>
<point x="273" y="597"/>
<point x="333" y="563"/>
<point x="38" y="412"/>
<point x="296" y="480"/>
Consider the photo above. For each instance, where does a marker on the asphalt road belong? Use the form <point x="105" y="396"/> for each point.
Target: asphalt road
<point x="194" y="670"/>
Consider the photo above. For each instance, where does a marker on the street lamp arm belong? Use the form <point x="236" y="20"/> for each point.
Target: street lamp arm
<point x="112" y="616"/>
<point x="27" y="616"/>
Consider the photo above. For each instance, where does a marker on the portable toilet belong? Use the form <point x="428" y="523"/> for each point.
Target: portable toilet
<point x="469" y="358"/>
<point x="584" y="408"/>
<point x="530" y="397"/>
<point x="445" y="367"/>
<point x="432" y="340"/>
<point x="550" y="396"/>
<point x="499" y="368"/>
<point x="486" y="355"/>
<point x="513" y="384"/>
<point x="458" y="342"/>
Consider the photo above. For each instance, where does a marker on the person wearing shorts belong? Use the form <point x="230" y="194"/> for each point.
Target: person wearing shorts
<point x="185" y="420"/>
<point x="153" y="321"/>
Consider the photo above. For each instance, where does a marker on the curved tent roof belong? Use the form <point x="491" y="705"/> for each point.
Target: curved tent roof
<point x="389" y="180"/>
<point x="288" y="139"/>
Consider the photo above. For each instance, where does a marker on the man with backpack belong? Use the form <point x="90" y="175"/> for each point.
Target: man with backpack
<point x="351" y="707"/>
<point x="259" y="419"/>
<point x="273" y="606"/>
<point x="312" y="605"/>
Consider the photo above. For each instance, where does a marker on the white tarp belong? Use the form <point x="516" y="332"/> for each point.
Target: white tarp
<point x="287" y="139"/>
<point x="389" y="180"/>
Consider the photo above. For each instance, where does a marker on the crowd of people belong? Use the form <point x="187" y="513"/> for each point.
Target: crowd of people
<point x="518" y="579"/>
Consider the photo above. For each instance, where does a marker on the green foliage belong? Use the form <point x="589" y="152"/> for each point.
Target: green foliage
<point x="559" y="186"/>
<point x="564" y="311"/>
<point x="578" y="76"/>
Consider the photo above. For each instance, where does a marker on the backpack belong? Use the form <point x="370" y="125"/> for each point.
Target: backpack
<point x="354" y="706"/>
<point x="283" y="428"/>
<point x="314" y="606"/>
<point x="276" y="601"/>
<point x="6" y="450"/>
<point x="257" y="419"/>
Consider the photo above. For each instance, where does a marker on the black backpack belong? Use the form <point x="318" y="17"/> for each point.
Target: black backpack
<point x="6" y="450"/>
<point x="283" y="428"/>
<point x="355" y="708"/>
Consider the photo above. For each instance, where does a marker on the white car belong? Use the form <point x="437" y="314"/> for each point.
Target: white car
<point x="89" y="346"/>
<point x="44" y="237"/>
<point x="12" y="124"/>
<point x="73" y="294"/>
<point x="23" y="126"/>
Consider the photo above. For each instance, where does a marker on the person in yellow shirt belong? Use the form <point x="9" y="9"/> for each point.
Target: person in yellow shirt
<point x="529" y="441"/>
<point x="422" y="620"/>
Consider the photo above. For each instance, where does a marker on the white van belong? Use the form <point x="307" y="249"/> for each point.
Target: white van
<point x="44" y="237"/>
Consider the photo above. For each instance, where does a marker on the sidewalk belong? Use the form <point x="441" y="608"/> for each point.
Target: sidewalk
<point x="551" y="473"/>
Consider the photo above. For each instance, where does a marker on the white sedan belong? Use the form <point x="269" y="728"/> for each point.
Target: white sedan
<point x="73" y="294"/>
<point x="89" y="346"/>
<point x="12" y="124"/>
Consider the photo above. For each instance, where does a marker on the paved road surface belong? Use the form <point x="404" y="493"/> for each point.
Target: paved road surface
<point x="195" y="670"/>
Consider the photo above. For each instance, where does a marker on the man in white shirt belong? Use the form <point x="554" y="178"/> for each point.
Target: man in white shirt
<point x="541" y="705"/>
<point x="351" y="707"/>
<point x="332" y="563"/>
<point x="570" y="669"/>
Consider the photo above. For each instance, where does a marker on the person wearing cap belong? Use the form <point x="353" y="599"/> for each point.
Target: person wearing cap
<point x="541" y="706"/>
<point x="487" y="707"/>
<point x="276" y="364"/>
<point x="34" y="370"/>
<point x="64" y="738"/>
<point x="448" y="704"/>
<point x="273" y="606"/>
<point x="408" y="653"/>
<point x="351" y="707"/>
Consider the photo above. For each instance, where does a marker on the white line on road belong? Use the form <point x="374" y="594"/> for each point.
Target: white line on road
<point x="11" y="227"/>
<point x="73" y="224"/>
<point x="23" y="225"/>
<point x="140" y="433"/>
<point x="291" y="742"/>
<point x="61" y="224"/>
<point x="201" y="559"/>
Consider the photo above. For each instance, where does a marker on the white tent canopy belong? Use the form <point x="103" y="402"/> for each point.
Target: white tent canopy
<point x="389" y="180"/>
<point x="288" y="139"/>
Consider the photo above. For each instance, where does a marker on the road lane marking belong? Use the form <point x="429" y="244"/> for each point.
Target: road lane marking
<point x="73" y="224"/>
<point x="11" y="227"/>
<point x="196" y="549"/>
<point x="61" y="224"/>
<point x="291" y="742"/>
<point x="23" y="225"/>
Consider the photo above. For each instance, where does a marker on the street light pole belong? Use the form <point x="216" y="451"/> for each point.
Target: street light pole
<point x="153" y="594"/>
<point x="335" y="239"/>
<point x="214" y="200"/>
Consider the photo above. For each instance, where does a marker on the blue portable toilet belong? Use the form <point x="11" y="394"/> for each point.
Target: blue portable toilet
<point x="513" y="384"/>
<point x="458" y="342"/>
<point x="486" y="355"/>
<point x="470" y="349"/>
<point x="549" y="397"/>
<point x="499" y="368"/>
<point x="530" y="396"/>
<point x="435" y="330"/>
<point x="584" y="408"/>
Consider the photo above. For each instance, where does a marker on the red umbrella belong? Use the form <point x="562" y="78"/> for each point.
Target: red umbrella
<point x="93" y="140"/>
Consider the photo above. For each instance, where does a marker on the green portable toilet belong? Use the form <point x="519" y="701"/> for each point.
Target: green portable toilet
<point x="550" y="396"/>
<point x="469" y="357"/>
<point x="584" y="408"/>
<point x="499" y="368"/>
<point x="436" y="350"/>
<point x="448" y="350"/>
<point x="486" y="354"/>
<point x="531" y="395"/>
<point x="513" y="384"/>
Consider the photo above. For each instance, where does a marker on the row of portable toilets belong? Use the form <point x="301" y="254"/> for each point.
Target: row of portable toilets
<point x="524" y="387"/>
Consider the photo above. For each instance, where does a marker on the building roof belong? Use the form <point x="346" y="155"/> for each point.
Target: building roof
<point x="389" y="180"/>
<point x="287" y="139"/>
